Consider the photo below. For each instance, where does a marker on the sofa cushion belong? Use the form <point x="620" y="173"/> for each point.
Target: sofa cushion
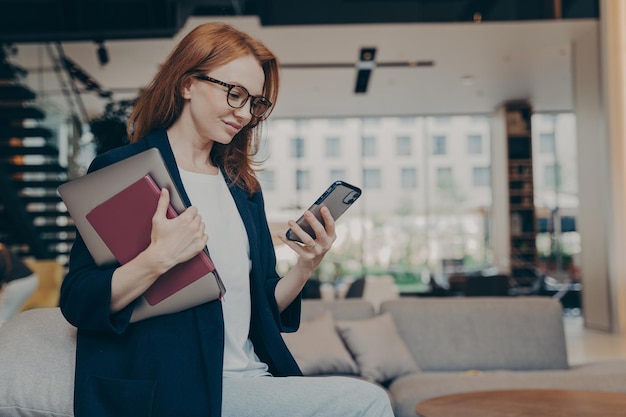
<point x="37" y="358"/>
<point x="485" y="333"/>
<point x="350" y="309"/>
<point x="318" y="349"/>
<point x="377" y="348"/>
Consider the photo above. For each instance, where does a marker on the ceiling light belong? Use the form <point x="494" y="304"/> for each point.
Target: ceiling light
<point x="103" y="54"/>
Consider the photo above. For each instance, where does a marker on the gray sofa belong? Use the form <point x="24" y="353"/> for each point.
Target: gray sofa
<point x="471" y="344"/>
<point x="416" y="348"/>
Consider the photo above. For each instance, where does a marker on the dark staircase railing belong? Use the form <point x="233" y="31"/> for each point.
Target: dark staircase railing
<point x="33" y="220"/>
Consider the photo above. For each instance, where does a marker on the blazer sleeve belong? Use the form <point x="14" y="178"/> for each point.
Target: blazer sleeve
<point x="85" y="299"/>
<point x="289" y="319"/>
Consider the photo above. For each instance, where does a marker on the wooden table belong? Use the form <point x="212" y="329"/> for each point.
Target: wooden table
<point x="526" y="403"/>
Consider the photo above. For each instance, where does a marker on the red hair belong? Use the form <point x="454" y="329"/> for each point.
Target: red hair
<point x="205" y="48"/>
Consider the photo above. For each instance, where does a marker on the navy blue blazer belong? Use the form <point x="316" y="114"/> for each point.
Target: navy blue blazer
<point x="169" y="365"/>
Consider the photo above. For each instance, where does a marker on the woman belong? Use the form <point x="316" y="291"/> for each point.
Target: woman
<point x="202" y="111"/>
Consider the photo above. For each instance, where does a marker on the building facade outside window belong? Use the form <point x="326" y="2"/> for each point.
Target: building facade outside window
<point x="297" y="148"/>
<point x="444" y="177"/>
<point x="556" y="195"/>
<point x="368" y="146"/>
<point x="474" y="144"/>
<point x="481" y="176"/>
<point x="546" y="143"/>
<point x="303" y="180"/>
<point x="333" y="147"/>
<point x="372" y="178"/>
<point x="408" y="178"/>
<point x="439" y="145"/>
<point x="417" y="210"/>
<point x="337" y="174"/>
<point x="403" y="146"/>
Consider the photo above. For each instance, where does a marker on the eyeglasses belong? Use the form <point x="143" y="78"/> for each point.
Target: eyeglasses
<point x="238" y="96"/>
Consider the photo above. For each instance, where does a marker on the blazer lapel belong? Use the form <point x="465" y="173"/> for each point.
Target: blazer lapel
<point x="247" y="210"/>
<point x="158" y="139"/>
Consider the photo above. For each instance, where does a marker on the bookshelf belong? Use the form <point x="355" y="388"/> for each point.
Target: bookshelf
<point x="522" y="218"/>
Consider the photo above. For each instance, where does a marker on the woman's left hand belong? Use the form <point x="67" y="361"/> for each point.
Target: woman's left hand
<point x="311" y="250"/>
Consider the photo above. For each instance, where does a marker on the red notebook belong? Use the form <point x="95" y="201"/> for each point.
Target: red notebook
<point x="124" y="223"/>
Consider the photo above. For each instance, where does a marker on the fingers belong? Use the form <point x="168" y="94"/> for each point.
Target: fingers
<point x="164" y="201"/>
<point x="298" y="237"/>
<point x="190" y="222"/>
<point x="329" y="222"/>
<point x="324" y="234"/>
<point x="320" y="231"/>
<point x="297" y="247"/>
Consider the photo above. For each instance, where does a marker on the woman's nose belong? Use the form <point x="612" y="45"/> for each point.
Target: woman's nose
<point x="244" y="112"/>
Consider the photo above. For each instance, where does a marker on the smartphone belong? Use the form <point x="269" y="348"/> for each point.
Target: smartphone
<point x="337" y="198"/>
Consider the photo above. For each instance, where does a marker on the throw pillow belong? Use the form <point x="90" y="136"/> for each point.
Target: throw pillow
<point x="377" y="347"/>
<point x="318" y="349"/>
<point x="37" y="355"/>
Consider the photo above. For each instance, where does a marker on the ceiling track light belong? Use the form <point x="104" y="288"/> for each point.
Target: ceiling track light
<point x="102" y="53"/>
<point x="364" y="69"/>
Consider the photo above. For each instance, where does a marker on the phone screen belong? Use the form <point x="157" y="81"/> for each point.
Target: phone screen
<point x="337" y="198"/>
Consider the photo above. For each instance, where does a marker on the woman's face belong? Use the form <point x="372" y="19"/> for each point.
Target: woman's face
<point x="210" y="115"/>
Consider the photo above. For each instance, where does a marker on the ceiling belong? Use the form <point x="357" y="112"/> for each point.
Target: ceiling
<point x="45" y="20"/>
<point x="477" y="63"/>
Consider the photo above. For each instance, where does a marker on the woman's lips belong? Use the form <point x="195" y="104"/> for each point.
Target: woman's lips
<point x="234" y="128"/>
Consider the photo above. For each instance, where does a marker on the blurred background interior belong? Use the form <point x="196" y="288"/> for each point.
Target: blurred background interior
<point x="487" y="135"/>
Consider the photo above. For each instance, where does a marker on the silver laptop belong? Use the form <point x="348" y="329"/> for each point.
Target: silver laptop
<point x="85" y="193"/>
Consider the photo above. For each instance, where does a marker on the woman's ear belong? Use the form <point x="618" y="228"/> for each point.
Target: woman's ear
<point x="186" y="88"/>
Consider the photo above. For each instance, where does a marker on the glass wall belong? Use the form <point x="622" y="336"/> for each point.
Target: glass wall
<point x="426" y="184"/>
<point x="556" y="194"/>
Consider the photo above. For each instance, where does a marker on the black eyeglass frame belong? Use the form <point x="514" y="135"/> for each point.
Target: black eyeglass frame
<point x="249" y="96"/>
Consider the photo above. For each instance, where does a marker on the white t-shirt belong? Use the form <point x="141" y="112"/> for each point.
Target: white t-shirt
<point x="230" y="252"/>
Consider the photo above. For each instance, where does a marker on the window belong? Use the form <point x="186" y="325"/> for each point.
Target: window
<point x="333" y="147"/>
<point x="368" y="146"/>
<point x="474" y="144"/>
<point x="303" y="181"/>
<point x="444" y="177"/>
<point x="479" y="119"/>
<point x="403" y="145"/>
<point x="547" y="143"/>
<point x="266" y="178"/>
<point x="297" y="148"/>
<point x="552" y="175"/>
<point x="481" y="176"/>
<point x="370" y="121"/>
<point x="302" y="122"/>
<point x="408" y="178"/>
<point x="407" y="224"/>
<point x="556" y="192"/>
<point x="337" y="174"/>
<point x="407" y="120"/>
<point x="439" y="145"/>
<point x="372" y="178"/>
<point x="444" y="120"/>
